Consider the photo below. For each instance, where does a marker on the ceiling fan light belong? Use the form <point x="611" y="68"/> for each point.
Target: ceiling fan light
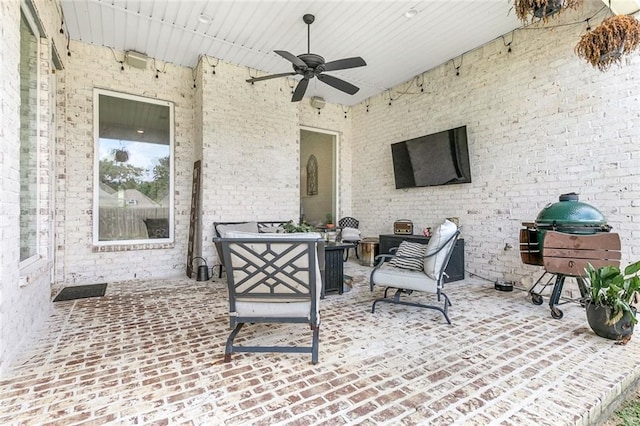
<point x="410" y="13"/>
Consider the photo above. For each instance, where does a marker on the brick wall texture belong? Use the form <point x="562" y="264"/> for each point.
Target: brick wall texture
<point x="540" y="123"/>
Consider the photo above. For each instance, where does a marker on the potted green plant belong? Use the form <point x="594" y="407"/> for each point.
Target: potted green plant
<point x="329" y="221"/>
<point x="609" y="310"/>
<point x="290" y="227"/>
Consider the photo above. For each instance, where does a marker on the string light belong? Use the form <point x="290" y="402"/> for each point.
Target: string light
<point x="157" y="70"/>
<point x="193" y="74"/>
<point x="457" y="68"/>
<point x="213" y="66"/>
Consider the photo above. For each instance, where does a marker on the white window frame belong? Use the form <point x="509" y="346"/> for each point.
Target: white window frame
<point x="96" y="161"/>
<point x="26" y="263"/>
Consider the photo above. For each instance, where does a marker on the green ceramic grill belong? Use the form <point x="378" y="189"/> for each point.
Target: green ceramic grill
<point x="571" y="216"/>
<point x="568" y="215"/>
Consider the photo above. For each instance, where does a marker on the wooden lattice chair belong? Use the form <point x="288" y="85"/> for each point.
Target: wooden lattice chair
<point x="273" y="278"/>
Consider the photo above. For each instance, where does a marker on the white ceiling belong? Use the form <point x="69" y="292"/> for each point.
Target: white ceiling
<point x="247" y="32"/>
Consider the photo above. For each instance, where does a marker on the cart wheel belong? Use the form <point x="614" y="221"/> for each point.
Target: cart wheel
<point x="556" y="313"/>
<point x="536" y="299"/>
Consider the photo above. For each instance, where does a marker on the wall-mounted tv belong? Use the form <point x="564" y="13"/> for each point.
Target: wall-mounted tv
<point x="438" y="159"/>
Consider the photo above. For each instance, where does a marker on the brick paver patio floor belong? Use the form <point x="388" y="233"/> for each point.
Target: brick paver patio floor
<point x="151" y="353"/>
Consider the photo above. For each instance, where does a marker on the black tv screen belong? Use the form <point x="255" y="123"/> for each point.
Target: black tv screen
<point x="438" y="159"/>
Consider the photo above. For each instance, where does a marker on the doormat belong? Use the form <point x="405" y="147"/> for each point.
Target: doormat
<point x="81" y="292"/>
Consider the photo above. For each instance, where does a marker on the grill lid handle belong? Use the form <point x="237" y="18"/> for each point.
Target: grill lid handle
<point x="571" y="196"/>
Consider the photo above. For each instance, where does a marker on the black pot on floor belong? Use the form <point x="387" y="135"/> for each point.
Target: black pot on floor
<point x="597" y="317"/>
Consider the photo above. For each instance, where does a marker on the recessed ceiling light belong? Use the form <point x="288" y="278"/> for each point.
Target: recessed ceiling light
<point x="410" y="13"/>
<point x="204" y="19"/>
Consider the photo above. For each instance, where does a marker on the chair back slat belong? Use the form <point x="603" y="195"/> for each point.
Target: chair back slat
<point x="264" y="268"/>
<point x="267" y="268"/>
<point x="348" y="222"/>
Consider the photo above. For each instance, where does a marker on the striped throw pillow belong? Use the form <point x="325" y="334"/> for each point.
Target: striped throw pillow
<point x="409" y="256"/>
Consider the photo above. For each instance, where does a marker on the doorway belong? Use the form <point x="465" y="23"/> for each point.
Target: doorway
<point x="318" y="180"/>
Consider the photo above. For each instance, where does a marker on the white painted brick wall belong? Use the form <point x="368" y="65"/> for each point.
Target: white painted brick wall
<point x="540" y="121"/>
<point x="24" y="294"/>
<point x="92" y="67"/>
<point x="251" y="148"/>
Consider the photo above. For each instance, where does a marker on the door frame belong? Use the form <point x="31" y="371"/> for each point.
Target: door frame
<point x="335" y="165"/>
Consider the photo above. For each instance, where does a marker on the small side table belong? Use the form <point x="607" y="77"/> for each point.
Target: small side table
<point x="333" y="267"/>
<point x="369" y="249"/>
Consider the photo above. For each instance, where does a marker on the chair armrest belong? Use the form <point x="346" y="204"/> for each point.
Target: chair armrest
<point x="378" y="262"/>
<point x="321" y="259"/>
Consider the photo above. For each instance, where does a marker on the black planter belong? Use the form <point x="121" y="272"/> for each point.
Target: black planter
<point x="551" y="8"/>
<point x="597" y="317"/>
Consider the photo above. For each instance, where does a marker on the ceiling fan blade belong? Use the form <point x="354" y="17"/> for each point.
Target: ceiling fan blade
<point x="343" y="64"/>
<point x="338" y="84"/>
<point x="267" y="77"/>
<point x="300" y="89"/>
<point x="292" y="58"/>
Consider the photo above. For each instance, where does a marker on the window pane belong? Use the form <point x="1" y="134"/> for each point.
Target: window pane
<point x="28" y="141"/>
<point x="134" y="169"/>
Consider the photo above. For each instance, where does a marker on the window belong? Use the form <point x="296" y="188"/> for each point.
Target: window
<point x="133" y="193"/>
<point x="28" y="139"/>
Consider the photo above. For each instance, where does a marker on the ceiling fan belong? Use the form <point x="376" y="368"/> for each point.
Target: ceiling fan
<point x="310" y="65"/>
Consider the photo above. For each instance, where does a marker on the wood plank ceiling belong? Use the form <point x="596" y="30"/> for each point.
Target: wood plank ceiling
<point x="396" y="48"/>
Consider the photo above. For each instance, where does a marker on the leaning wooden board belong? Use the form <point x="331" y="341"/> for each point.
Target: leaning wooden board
<point x="195" y="195"/>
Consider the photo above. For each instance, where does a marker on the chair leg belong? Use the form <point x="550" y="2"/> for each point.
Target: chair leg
<point x="346" y="255"/>
<point x="315" y="344"/>
<point x="555" y="297"/>
<point x="228" y="349"/>
<point x="396" y="300"/>
<point x="355" y="248"/>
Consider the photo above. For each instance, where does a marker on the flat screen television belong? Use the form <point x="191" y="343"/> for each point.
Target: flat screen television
<point x="438" y="159"/>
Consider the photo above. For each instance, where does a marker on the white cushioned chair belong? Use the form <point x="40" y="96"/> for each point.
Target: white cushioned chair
<point x="419" y="269"/>
<point x="220" y="229"/>
<point x="350" y="234"/>
<point x="273" y="278"/>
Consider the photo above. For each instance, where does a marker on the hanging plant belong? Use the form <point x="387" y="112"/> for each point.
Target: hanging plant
<point x="604" y="45"/>
<point x="542" y="9"/>
<point x="121" y="155"/>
